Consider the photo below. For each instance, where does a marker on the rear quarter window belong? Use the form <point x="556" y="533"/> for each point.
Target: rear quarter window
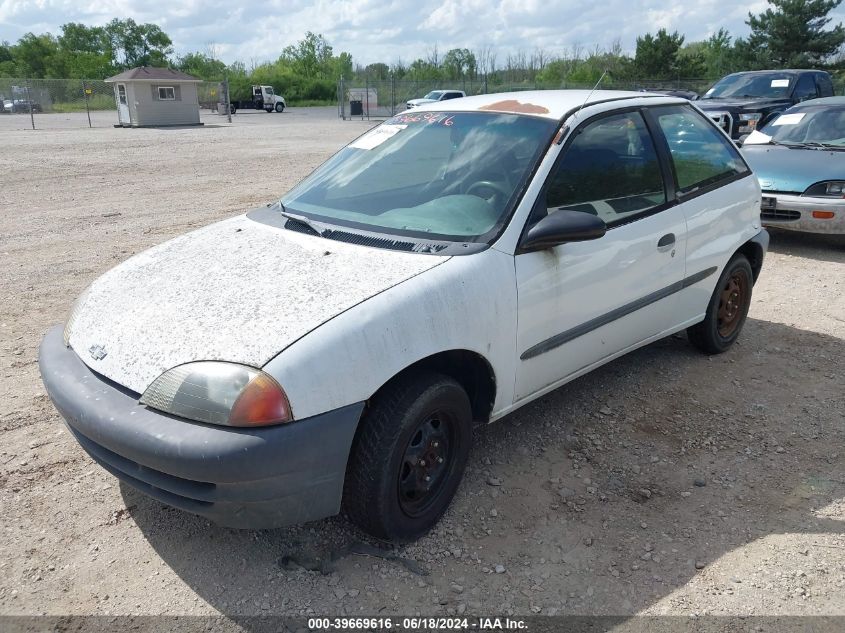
<point x="701" y="154"/>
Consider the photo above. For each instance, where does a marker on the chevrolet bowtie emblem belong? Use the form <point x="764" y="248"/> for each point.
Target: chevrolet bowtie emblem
<point x="98" y="352"/>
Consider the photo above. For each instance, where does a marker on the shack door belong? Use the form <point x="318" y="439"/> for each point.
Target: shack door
<point x="122" y="105"/>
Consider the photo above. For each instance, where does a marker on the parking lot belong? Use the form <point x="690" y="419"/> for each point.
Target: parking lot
<point x="665" y="482"/>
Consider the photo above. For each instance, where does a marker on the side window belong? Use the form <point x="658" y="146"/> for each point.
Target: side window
<point x="805" y="88"/>
<point x="701" y="155"/>
<point x="825" y="85"/>
<point x="610" y="170"/>
<point x="166" y="93"/>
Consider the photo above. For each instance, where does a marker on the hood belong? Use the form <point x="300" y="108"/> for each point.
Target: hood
<point x="238" y="291"/>
<point x="783" y="169"/>
<point x="752" y="105"/>
<point x="417" y="102"/>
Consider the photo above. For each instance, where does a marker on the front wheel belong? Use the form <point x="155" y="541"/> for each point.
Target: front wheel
<point x="408" y="457"/>
<point x="280" y="107"/>
<point x="727" y="310"/>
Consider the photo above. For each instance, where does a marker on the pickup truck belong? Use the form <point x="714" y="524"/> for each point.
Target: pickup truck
<point x="743" y="102"/>
<point x="436" y="95"/>
<point x="263" y="98"/>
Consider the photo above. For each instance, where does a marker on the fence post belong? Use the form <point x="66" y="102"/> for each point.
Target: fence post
<point x="367" y="93"/>
<point x="227" y="102"/>
<point x="342" y="100"/>
<point x="87" y="108"/>
<point x="29" y="102"/>
<point x="392" y="94"/>
<point x="485" y="83"/>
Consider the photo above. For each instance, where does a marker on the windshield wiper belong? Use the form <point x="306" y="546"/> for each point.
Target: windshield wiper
<point x="791" y="145"/>
<point x="820" y="145"/>
<point x="317" y="227"/>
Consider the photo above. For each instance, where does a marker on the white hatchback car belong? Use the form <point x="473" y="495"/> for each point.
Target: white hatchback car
<point x="333" y="349"/>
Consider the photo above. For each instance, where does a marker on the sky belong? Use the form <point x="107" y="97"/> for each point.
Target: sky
<point x="391" y="30"/>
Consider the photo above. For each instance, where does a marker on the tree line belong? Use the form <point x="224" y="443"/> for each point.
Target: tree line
<point x="789" y="33"/>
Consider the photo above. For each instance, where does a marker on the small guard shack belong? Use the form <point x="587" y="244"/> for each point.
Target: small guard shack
<point x="155" y="97"/>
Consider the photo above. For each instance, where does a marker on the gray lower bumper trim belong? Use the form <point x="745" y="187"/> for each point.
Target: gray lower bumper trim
<point x="253" y="478"/>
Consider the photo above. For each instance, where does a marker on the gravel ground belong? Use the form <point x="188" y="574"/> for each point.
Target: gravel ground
<point x="666" y="482"/>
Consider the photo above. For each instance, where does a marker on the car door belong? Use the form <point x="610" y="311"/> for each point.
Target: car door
<point x="715" y="190"/>
<point x="580" y="303"/>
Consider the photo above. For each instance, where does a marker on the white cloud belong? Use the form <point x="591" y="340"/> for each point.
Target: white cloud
<point x="385" y="30"/>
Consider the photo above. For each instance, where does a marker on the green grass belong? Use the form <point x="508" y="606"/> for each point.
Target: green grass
<point x="96" y="102"/>
<point x="103" y="102"/>
<point x="304" y="103"/>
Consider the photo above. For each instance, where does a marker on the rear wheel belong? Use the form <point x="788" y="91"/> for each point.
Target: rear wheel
<point x="727" y="310"/>
<point x="280" y="107"/>
<point x="408" y="457"/>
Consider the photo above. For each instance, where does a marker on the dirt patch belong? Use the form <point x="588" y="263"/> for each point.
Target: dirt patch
<point x="664" y="482"/>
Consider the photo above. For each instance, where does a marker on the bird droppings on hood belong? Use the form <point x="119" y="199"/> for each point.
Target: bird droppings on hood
<point x="512" y="105"/>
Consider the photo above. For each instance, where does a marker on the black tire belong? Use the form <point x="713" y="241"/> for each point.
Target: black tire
<point x="280" y="107"/>
<point x="422" y="416"/>
<point x="727" y="310"/>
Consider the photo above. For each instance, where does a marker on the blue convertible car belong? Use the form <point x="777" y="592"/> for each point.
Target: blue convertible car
<point x="799" y="158"/>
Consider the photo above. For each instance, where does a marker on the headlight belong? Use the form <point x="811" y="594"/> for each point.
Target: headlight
<point x="828" y="189"/>
<point x="75" y="309"/>
<point x="750" y="116"/>
<point x="219" y="393"/>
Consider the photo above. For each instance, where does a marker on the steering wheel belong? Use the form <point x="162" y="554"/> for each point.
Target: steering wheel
<point x="497" y="188"/>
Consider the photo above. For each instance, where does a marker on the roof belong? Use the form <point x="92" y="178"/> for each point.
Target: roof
<point x="791" y="71"/>
<point x="551" y="104"/>
<point x="150" y="73"/>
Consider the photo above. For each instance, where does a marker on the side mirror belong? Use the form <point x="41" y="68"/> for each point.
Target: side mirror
<point x="560" y="227"/>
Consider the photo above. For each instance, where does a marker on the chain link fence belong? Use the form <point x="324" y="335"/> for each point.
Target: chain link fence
<point x="382" y="99"/>
<point x="71" y="103"/>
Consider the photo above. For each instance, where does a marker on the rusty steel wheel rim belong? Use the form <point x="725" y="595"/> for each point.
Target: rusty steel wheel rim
<point x="732" y="304"/>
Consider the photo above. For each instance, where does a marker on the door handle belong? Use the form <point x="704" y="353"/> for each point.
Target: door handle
<point x="666" y="242"/>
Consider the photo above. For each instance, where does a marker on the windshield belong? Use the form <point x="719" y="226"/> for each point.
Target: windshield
<point x="770" y="86"/>
<point x="435" y="95"/>
<point x="809" y="124"/>
<point x="434" y="175"/>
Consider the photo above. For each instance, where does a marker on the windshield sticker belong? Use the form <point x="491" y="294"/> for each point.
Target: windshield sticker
<point x="709" y="92"/>
<point x="425" y="117"/>
<point x="789" y="119"/>
<point x="780" y="83"/>
<point x="376" y="137"/>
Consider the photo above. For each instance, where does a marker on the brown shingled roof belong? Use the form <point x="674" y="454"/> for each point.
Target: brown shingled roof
<point x="149" y="73"/>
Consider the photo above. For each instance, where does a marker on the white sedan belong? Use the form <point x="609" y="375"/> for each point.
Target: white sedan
<point x="333" y="350"/>
<point x="435" y="96"/>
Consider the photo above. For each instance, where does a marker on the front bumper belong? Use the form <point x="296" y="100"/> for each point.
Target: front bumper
<point x="795" y="213"/>
<point x="243" y="478"/>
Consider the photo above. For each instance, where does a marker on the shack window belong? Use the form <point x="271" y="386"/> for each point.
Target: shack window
<point x="166" y="93"/>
